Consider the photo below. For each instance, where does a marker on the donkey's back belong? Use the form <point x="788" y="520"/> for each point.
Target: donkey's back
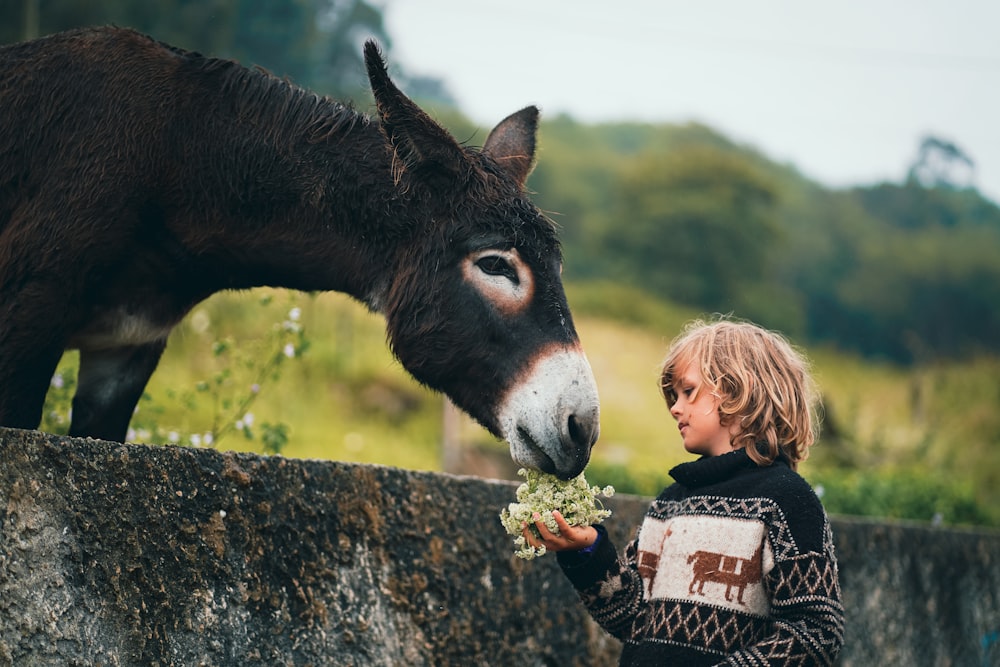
<point x="90" y="122"/>
<point x="66" y="98"/>
<point x="85" y="143"/>
<point x="136" y="179"/>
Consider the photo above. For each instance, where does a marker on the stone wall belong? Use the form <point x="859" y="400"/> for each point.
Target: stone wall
<point x="131" y="555"/>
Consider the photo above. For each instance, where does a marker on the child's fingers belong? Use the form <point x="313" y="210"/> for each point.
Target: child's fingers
<point x="529" y="537"/>
<point x="564" y="527"/>
<point x="574" y="537"/>
<point x="543" y="530"/>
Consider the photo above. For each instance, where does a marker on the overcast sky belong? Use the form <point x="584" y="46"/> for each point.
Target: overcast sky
<point x="844" y="91"/>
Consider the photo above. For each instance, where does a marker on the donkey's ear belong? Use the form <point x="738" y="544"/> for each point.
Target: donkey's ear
<point x="417" y="140"/>
<point x="512" y="143"/>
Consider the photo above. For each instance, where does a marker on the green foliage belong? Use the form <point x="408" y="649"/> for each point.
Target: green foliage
<point x="926" y="294"/>
<point x="630" y="305"/>
<point x="274" y="437"/>
<point x="699" y="222"/>
<point x="904" y="272"/>
<point x="212" y="406"/>
<point x="906" y="494"/>
<point x="312" y="42"/>
<point x="55" y="415"/>
<point x="914" y="207"/>
<point x="638" y="482"/>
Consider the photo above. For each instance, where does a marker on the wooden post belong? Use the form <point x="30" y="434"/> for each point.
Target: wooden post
<point x="451" y="446"/>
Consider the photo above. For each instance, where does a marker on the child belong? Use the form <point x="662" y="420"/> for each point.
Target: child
<point x="734" y="562"/>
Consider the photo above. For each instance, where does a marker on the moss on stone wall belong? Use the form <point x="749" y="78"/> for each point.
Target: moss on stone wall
<point x="132" y="555"/>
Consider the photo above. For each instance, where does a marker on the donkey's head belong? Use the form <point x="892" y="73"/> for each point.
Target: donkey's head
<point x="476" y="306"/>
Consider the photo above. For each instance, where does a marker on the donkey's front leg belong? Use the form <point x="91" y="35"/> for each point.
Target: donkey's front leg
<point x="108" y="387"/>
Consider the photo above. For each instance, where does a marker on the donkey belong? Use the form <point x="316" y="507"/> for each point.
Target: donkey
<point x="137" y="179"/>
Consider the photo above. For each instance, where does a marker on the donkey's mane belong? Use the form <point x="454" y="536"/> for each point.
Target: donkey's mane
<point x="280" y="108"/>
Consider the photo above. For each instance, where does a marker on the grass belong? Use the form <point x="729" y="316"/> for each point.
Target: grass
<point x="347" y="398"/>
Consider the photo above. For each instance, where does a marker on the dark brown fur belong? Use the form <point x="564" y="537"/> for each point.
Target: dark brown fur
<point x="137" y="179"/>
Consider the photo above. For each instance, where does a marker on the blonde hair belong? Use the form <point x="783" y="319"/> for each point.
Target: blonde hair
<point x="763" y="384"/>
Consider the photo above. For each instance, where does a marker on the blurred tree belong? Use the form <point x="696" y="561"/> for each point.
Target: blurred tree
<point x="915" y="296"/>
<point x="900" y="271"/>
<point x="694" y="225"/>
<point x="917" y="207"/>
<point x="940" y="163"/>
<point x="925" y="281"/>
<point x="344" y="26"/>
<point x="315" y="43"/>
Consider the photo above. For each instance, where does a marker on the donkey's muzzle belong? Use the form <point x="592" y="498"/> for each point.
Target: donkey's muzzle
<point x="551" y="418"/>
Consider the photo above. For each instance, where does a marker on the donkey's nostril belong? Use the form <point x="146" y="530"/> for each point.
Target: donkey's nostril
<point x="574" y="429"/>
<point x="582" y="432"/>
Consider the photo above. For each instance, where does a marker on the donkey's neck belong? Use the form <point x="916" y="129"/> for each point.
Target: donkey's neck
<point x="300" y="188"/>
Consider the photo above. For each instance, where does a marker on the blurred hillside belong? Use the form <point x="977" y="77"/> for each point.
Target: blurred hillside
<point x="894" y="288"/>
<point x="902" y="271"/>
<point x="914" y="442"/>
<point x="907" y="271"/>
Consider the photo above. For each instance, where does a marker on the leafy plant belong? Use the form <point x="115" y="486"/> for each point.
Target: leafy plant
<point x="238" y="373"/>
<point x="904" y="494"/>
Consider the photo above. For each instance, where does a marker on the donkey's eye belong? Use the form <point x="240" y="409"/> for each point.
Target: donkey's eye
<point x="495" y="265"/>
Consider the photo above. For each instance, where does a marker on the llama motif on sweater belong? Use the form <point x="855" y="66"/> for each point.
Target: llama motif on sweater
<point x="728" y="559"/>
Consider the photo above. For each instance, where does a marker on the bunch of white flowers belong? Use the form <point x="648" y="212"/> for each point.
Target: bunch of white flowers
<point x="575" y="499"/>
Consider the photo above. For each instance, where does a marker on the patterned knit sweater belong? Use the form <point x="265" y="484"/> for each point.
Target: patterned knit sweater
<point x="733" y="565"/>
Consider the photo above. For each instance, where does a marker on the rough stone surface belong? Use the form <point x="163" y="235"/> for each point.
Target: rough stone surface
<point x="917" y="595"/>
<point x="132" y="555"/>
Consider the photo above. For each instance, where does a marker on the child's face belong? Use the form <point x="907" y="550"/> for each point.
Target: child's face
<point x="697" y="413"/>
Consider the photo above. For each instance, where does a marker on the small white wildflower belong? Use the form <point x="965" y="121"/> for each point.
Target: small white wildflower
<point x="195" y="440"/>
<point x="248" y="419"/>
<point x="174" y="437"/>
<point x="294" y="314"/>
<point x="200" y="321"/>
<point x="354" y="441"/>
<point x="289" y="351"/>
<point x="542" y="493"/>
<point x="57" y="381"/>
<point x="208" y="439"/>
<point x="255" y="388"/>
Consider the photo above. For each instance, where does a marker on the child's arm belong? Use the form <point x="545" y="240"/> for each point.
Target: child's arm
<point x="610" y="587"/>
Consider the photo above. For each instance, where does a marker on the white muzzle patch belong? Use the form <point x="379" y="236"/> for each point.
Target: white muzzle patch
<point x="551" y="417"/>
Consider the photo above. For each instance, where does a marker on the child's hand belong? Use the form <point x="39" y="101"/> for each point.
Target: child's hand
<point x="570" y="538"/>
<point x="538" y="499"/>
